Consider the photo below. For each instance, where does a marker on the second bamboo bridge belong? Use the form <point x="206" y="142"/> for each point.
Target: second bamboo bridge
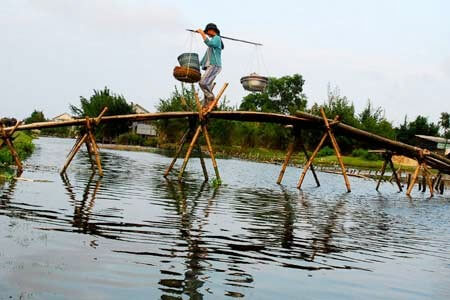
<point x="198" y="123"/>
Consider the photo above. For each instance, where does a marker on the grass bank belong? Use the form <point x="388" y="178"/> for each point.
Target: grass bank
<point x="263" y="155"/>
<point x="23" y="143"/>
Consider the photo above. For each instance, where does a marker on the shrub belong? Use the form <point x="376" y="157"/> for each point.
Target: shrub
<point x="325" y="151"/>
<point x="23" y="143"/>
<point x="136" y="139"/>
<point x="365" y="154"/>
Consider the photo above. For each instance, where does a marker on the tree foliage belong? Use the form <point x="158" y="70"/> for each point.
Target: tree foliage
<point x="283" y="95"/>
<point x="444" y="122"/>
<point x="36" y="116"/>
<point x="406" y="132"/>
<point x="117" y="105"/>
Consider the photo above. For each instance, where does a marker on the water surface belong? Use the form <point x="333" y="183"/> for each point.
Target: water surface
<point x="135" y="234"/>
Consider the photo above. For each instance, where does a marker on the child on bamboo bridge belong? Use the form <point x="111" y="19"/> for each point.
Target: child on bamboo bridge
<point x="211" y="61"/>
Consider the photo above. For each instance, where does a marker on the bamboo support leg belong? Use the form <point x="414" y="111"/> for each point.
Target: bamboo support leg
<point x="437" y="180"/>
<point x="96" y="155"/>
<point x="383" y="169"/>
<point x="312" y="165"/>
<point x="94" y="147"/>
<point x="341" y="162"/>
<point x="202" y="161"/>
<point x="211" y="151"/>
<point x="189" y="151"/>
<point x="286" y="162"/>
<point x="428" y="181"/>
<point x="89" y="151"/>
<point x="413" y="180"/>
<point x="310" y="160"/>
<point x="177" y="153"/>
<point x="73" y="152"/>
<point x="394" y="174"/>
<point x="7" y="140"/>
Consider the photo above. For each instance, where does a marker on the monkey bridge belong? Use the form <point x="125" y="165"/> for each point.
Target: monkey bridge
<point x="198" y="124"/>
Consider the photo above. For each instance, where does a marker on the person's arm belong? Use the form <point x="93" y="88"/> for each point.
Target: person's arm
<point x="214" y="42"/>
<point x="203" y="34"/>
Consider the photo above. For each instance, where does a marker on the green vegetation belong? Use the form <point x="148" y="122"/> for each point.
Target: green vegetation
<point x="363" y="153"/>
<point x="325" y="151"/>
<point x="136" y="139"/>
<point x="23" y="143"/>
<point x="268" y="142"/>
<point x="38" y="116"/>
<point x="406" y="132"/>
<point x="92" y="107"/>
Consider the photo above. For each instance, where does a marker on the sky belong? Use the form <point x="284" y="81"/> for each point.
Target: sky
<point x="395" y="53"/>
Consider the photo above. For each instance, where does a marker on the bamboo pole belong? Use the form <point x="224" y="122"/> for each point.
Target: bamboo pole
<point x="336" y="149"/>
<point x="189" y="151"/>
<point x="383" y="169"/>
<point x="286" y="162"/>
<point x="313" y="156"/>
<point x="312" y="165"/>
<point x="211" y="151"/>
<point x="92" y="141"/>
<point x="202" y="161"/>
<point x="394" y="173"/>
<point x="413" y="180"/>
<point x="89" y="151"/>
<point x="216" y="100"/>
<point x="89" y="139"/>
<point x="73" y="152"/>
<point x="427" y="175"/>
<point x="311" y="159"/>
<point x="6" y="136"/>
<point x="177" y="153"/>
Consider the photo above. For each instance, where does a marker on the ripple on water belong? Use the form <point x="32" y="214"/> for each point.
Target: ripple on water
<point x="134" y="233"/>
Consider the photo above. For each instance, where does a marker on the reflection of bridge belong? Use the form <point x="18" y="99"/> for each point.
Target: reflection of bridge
<point x="198" y="122"/>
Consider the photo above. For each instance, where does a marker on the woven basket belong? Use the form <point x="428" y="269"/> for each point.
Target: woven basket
<point x="186" y="74"/>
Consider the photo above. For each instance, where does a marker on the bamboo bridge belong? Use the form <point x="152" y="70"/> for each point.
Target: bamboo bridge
<point x="198" y="123"/>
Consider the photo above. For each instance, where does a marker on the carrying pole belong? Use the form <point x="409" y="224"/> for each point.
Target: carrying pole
<point x="232" y="39"/>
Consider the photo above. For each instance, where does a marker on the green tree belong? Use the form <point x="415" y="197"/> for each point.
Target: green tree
<point x="117" y="105"/>
<point x="373" y="120"/>
<point x="180" y="100"/>
<point x="283" y="95"/>
<point x="337" y="105"/>
<point x="406" y="132"/>
<point x="36" y="116"/>
<point x="444" y="122"/>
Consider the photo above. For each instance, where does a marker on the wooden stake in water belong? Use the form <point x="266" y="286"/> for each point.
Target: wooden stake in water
<point x="6" y="136"/>
<point x="313" y="155"/>
<point x="91" y="144"/>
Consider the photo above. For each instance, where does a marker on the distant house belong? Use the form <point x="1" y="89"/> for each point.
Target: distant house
<point x="434" y="143"/>
<point x="62" y="117"/>
<point x="142" y="127"/>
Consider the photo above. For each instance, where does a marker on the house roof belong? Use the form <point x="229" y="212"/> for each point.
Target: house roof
<point x="434" y="139"/>
<point x="61" y="115"/>
<point x="139" y="109"/>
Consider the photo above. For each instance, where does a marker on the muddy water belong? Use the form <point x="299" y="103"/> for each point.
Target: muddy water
<point x="133" y="234"/>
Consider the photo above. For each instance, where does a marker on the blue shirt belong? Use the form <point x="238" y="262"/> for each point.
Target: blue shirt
<point x="213" y="55"/>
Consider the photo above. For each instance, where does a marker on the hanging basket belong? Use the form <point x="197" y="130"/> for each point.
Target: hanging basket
<point x="189" y="60"/>
<point x="254" y="82"/>
<point x="185" y="74"/>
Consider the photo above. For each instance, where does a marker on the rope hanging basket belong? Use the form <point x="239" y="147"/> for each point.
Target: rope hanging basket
<point x="254" y="82"/>
<point x="189" y="69"/>
<point x="185" y="74"/>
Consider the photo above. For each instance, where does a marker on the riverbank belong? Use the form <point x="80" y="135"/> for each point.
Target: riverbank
<point x="23" y="143"/>
<point x="266" y="156"/>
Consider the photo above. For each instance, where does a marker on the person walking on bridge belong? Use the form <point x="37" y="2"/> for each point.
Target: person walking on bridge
<point x="211" y="62"/>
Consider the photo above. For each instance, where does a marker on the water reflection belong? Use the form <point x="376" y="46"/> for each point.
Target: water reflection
<point x="83" y="208"/>
<point x="191" y="240"/>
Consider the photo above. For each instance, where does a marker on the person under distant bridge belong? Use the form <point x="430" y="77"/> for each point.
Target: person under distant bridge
<point x="211" y="62"/>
